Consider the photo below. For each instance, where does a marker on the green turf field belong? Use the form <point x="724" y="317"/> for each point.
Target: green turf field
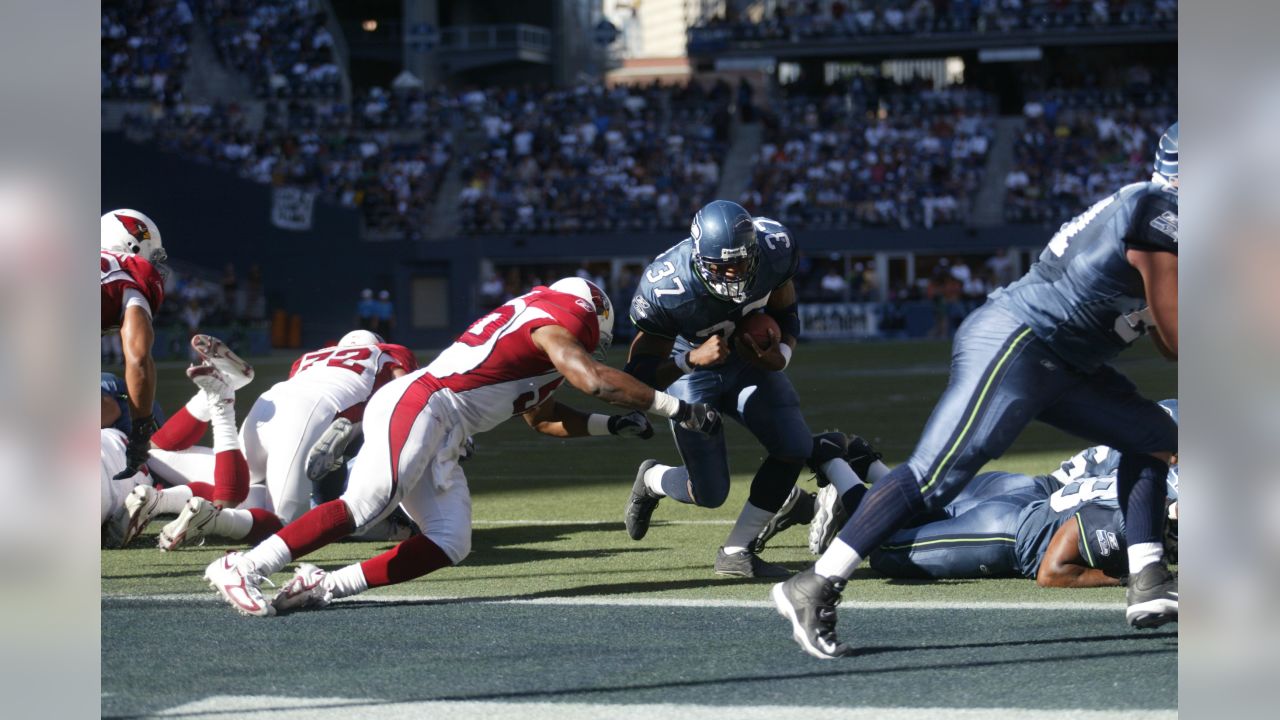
<point x="558" y="610"/>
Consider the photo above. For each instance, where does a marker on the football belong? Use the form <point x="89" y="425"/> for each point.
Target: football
<point x="757" y="325"/>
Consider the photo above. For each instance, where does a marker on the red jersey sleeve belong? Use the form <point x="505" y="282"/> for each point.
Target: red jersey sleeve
<point x="401" y="357"/>
<point x="572" y="313"/>
<point x="148" y="280"/>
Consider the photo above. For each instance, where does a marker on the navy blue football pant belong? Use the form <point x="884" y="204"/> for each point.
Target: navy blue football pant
<point x="1003" y="377"/>
<point x="974" y="536"/>
<point x="763" y="402"/>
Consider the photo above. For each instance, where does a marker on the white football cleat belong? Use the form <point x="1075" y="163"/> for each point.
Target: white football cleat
<point x="215" y="386"/>
<point x="215" y="352"/>
<point x="307" y="588"/>
<point x="238" y="581"/>
<point x="140" y="506"/>
<point x="326" y="455"/>
<point x="192" y="524"/>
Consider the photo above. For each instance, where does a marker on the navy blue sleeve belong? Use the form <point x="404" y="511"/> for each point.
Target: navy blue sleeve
<point x="1155" y="224"/>
<point x="650" y="317"/>
<point x="1102" y="542"/>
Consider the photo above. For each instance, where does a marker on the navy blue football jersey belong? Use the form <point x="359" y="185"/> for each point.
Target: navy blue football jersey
<point x="1092" y="503"/>
<point x="1082" y="297"/>
<point x="673" y="302"/>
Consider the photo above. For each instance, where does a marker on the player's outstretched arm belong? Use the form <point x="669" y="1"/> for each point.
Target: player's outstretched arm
<point x="559" y="420"/>
<point x="614" y="386"/>
<point x="1159" y="271"/>
<point x="649" y="359"/>
<point x="1064" y="567"/>
<point x="136" y="338"/>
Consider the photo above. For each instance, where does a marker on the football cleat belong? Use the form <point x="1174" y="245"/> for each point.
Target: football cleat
<point x="237" y="580"/>
<point x="114" y="528"/>
<point x="860" y="456"/>
<point x="747" y="564"/>
<point x="797" y="509"/>
<point x="1153" y="597"/>
<point x="192" y="524"/>
<point x="307" y="588"/>
<point x="140" y="506"/>
<point x="215" y="352"/>
<point x="829" y="516"/>
<point x="809" y="602"/>
<point x="326" y="455"/>
<point x="217" y="390"/>
<point x="640" y="505"/>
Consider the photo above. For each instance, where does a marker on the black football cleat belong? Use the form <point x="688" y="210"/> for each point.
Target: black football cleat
<point x="640" y="505"/>
<point x="797" y="509"/>
<point x="1153" y="597"/>
<point x="747" y="564"/>
<point x="860" y="456"/>
<point x="809" y="602"/>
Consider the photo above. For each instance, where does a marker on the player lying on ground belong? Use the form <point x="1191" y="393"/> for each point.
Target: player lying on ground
<point x="131" y="263"/>
<point x="1064" y="529"/>
<point x="508" y="362"/>
<point x="1039" y="349"/>
<point x="687" y="307"/>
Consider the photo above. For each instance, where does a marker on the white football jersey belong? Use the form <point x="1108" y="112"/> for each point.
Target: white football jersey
<point x="493" y="370"/>
<point x="347" y="376"/>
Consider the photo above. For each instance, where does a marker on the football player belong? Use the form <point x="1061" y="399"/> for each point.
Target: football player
<point x="1038" y="349"/>
<point x="131" y="262"/>
<point x="689" y="302"/>
<point x="508" y="362"/>
<point x="115" y="405"/>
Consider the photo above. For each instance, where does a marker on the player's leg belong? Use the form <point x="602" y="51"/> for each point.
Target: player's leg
<point x="1107" y="409"/>
<point x="767" y="404"/>
<point x="289" y="436"/>
<point x="400" y="439"/>
<point x="702" y="480"/>
<point x="997" y="386"/>
<point x="975" y="538"/>
<point x="445" y="518"/>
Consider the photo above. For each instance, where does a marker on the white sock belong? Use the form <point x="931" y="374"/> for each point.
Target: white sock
<point x="233" y="524"/>
<point x="346" y="582"/>
<point x="1143" y="554"/>
<point x="173" y="499"/>
<point x="839" y="560"/>
<point x="270" y="555"/>
<point x="839" y="473"/>
<point x="653" y="479"/>
<point x="750" y="522"/>
<point x="222" y="418"/>
<point x="875" y="471"/>
<point x="198" y="407"/>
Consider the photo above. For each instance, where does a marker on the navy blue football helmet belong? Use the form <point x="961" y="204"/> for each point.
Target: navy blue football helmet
<point x="1166" y="165"/>
<point x="725" y="250"/>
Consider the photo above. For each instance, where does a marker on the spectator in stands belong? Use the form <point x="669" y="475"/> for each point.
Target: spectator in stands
<point x="367" y="311"/>
<point x="834" y="286"/>
<point x="491" y="292"/>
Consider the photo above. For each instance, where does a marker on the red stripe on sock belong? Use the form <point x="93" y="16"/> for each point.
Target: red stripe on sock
<point x="180" y="431"/>
<point x="321" y="525"/>
<point x="411" y="559"/>
<point x="265" y="524"/>
<point x="201" y="490"/>
<point x="230" y="478"/>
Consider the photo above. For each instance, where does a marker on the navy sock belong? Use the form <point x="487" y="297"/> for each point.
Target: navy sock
<point x="773" y="482"/>
<point x="1141" y="490"/>
<point x="890" y="503"/>
<point x="851" y="499"/>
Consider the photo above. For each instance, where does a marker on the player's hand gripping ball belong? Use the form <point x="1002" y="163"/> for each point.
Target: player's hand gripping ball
<point x="758" y="339"/>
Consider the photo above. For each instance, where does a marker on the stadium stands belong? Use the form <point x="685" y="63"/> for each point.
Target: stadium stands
<point x="145" y="45"/>
<point x="282" y="45"/>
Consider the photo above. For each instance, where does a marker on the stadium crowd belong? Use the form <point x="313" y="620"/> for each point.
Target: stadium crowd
<point x="593" y="158"/>
<point x="1081" y="143"/>
<point x="801" y="20"/>
<point x="283" y="46"/>
<point x="910" y="159"/>
<point x="145" y="48"/>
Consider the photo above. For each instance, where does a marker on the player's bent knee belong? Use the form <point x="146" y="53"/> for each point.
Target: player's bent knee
<point x="366" y="505"/>
<point x="711" y="497"/>
<point x="455" y="544"/>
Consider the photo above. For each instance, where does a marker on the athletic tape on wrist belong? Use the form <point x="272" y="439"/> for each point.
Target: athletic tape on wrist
<point x="786" y="351"/>
<point x="597" y="424"/>
<point x="682" y="362"/>
<point x="665" y="405"/>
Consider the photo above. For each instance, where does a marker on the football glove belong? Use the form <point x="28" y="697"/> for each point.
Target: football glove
<point x="698" y="417"/>
<point x="634" y="424"/>
<point x="139" y="447"/>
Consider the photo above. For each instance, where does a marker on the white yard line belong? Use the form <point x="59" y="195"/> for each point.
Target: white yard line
<point x="250" y="707"/>
<point x="554" y="523"/>
<point x="616" y="601"/>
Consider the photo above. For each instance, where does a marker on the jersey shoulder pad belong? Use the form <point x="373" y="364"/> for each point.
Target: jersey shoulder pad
<point x="777" y="247"/>
<point x="150" y="284"/>
<point x="569" y="311"/>
<point x="1155" y="221"/>
<point x="402" y="356"/>
<point x="1102" y="543"/>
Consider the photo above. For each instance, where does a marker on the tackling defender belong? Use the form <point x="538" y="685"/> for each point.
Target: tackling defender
<point x="690" y="300"/>
<point x="508" y="362"/>
<point x="1038" y="349"/>
<point x="131" y="263"/>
